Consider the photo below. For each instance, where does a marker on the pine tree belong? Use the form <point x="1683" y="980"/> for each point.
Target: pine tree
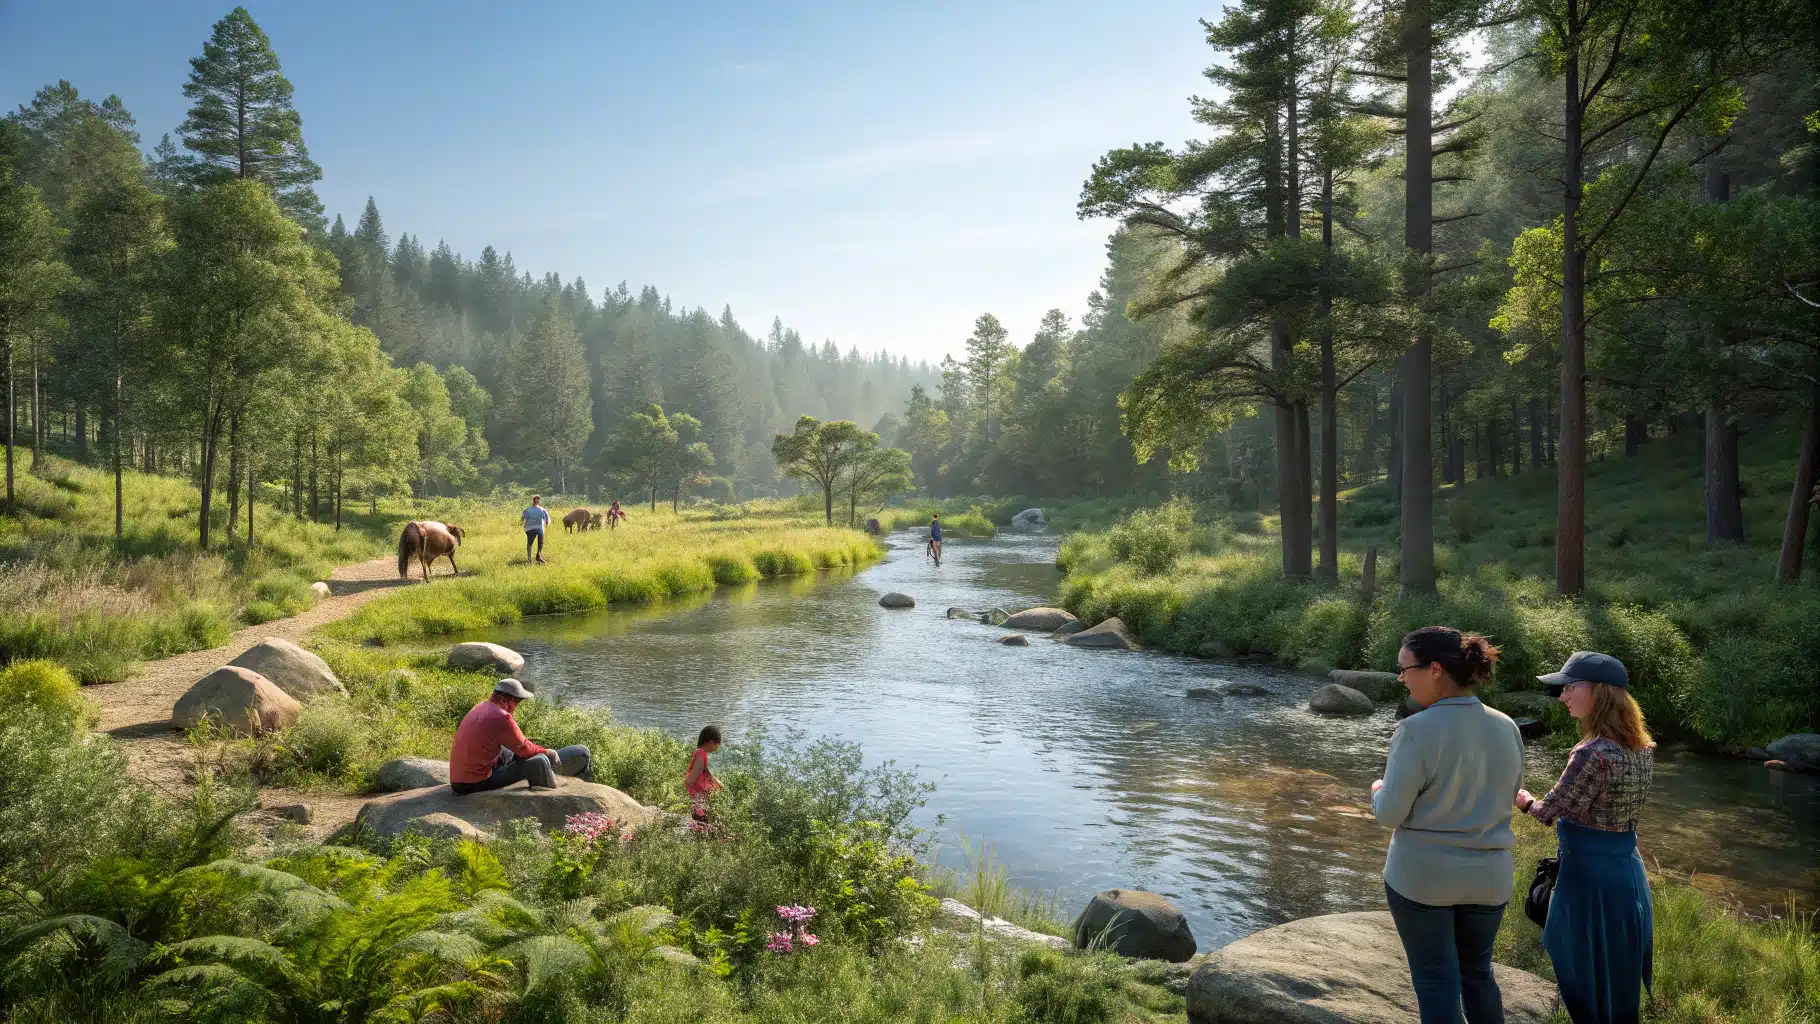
<point x="242" y="124"/>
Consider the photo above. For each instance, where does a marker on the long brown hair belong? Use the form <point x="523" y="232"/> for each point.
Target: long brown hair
<point x="1616" y="716"/>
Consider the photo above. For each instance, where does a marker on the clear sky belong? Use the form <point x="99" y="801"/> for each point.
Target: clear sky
<point x="875" y="174"/>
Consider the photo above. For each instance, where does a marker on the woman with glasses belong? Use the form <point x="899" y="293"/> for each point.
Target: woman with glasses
<point x="1600" y="932"/>
<point x="1447" y="786"/>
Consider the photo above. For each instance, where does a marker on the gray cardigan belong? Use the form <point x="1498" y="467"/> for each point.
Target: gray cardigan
<point x="1448" y="791"/>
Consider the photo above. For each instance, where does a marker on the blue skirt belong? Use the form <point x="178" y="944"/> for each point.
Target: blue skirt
<point x="1600" y="932"/>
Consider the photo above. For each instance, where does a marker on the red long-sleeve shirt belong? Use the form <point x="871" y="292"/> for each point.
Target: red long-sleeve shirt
<point x="478" y="738"/>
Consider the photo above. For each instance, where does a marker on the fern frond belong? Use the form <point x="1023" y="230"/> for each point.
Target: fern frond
<point x="120" y="953"/>
<point x="547" y="961"/>
<point x="452" y="947"/>
<point x="429" y="1004"/>
<point x="234" y="951"/>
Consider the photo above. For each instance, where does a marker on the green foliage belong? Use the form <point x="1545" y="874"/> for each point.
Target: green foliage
<point x="47" y="688"/>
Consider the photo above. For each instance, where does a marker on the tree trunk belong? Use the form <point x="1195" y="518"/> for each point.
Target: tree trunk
<point x="1724" y="510"/>
<point x="37" y="411"/>
<point x="12" y="424"/>
<point x="1536" y="431"/>
<point x="1394" y="458"/>
<point x="1800" y="499"/>
<point x="210" y="428"/>
<point x="114" y="436"/>
<point x="81" y="434"/>
<point x="1570" y="479"/>
<point x="233" y="480"/>
<point x="1416" y="569"/>
<point x="1636" y="430"/>
<point x="315" y="457"/>
<point x="337" y="478"/>
<point x="1516" y="439"/>
<point x="297" y="475"/>
<point x="828" y="501"/>
<point x="1330" y="428"/>
<point x="1368" y="579"/>
<point x="1304" y="506"/>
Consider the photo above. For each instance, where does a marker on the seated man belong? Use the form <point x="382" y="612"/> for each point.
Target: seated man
<point x="491" y="752"/>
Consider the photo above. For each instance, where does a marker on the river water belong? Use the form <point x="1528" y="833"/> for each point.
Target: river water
<point x="1087" y="770"/>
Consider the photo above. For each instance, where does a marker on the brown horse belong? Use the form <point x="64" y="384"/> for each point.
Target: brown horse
<point x="575" y="519"/>
<point x="426" y="542"/>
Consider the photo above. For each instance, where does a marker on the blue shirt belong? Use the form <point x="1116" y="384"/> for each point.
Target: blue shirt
<point x="935" y="529"/>
<point x="536" y="517"/>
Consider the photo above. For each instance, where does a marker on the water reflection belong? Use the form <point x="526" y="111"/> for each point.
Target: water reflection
<point x="1090" y="769"/>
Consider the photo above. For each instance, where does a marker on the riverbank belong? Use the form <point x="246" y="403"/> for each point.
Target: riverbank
<point x="1717" y="652"/>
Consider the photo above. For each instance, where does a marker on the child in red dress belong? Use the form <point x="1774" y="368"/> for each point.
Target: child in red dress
<point x="700" y="781"/>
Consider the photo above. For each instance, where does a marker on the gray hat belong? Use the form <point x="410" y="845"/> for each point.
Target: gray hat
<point x="512" y="688"/>
<point x="1588" y="667"/>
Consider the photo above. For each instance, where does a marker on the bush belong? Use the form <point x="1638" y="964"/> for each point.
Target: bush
<point x="48" y="688"/>
<point x="1152" y="539"/>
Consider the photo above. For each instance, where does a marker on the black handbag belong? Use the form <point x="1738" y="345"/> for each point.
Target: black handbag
<point x="1541" y="890"/>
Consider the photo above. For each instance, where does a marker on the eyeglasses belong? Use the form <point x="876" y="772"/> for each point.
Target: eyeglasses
<point x="1406" y="668"/>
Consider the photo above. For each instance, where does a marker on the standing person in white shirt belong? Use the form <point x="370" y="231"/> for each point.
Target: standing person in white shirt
<point x="536" y="518"/>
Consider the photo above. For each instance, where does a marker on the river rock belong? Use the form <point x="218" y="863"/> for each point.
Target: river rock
<point x="1379" y="686"/>
<point x="1205" y="693"/>
<point x="1527" y="703"/>
<point x="319" y="590"/>
<point x="1134" y="923"/>
<point x="958" y="915"/>
<point x="959" y="613"/>
<point x="1213" y="649"/>
<point x="478" y="656"/>
<point x="1015" y="640"/>
<point x="443" y="825"/>
<point x="240" y="699"/>
<point x="292" y="669"/>
<point x="389" y="815"/>
<point x="994" y="616"/>
<point x="1068" y="628"/>
<point x="1243" y="690"/>
<point x="1336" y="969"/>
<point x="1108" y="635"/>
<point x="402" y="773"/>
<point x="1334" y="699"/>
<point x="1798" y="748"/>
<point x="897" y="600"/>
<point x="1030" y="519"/>
<point x="1042" y="620"/>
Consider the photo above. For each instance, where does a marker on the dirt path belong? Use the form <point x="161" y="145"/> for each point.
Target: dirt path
<point x="137" y="712"/>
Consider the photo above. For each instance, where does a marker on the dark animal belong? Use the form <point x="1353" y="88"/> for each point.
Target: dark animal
<point x="594" y="521"/>
<point x="426" y="542"/>
<point x="576" y="518"/>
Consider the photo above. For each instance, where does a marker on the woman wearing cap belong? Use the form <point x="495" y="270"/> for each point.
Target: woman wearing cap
<point x="1600" y="933"/>
<point x="1446" y="791"/>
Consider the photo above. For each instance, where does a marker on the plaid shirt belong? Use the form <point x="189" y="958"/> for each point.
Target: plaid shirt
<point x="1602" y="787"/>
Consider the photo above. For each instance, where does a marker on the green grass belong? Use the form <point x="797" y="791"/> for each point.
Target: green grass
<point x="654" y="556"/>
<point x="72" y="593"/>
<point x="1717" y="651"/>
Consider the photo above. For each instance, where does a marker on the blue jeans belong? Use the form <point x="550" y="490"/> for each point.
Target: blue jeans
<point x="535" y="770"/>
<point x="1449" y="951"/>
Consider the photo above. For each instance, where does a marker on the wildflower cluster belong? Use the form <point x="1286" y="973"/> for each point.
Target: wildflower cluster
<point x="797" y="917"/>
<point x="591" y="825"/>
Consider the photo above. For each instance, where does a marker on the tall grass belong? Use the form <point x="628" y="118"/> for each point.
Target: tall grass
<point x="1716" y="650"/>
<point x="652" y="557"/>
<point x="73" y="593"/>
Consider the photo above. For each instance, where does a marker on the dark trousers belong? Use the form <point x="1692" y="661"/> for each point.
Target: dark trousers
<point x="1449" y="951"/>
<point x="530" y="536"/>
<point x="535" y="770"/>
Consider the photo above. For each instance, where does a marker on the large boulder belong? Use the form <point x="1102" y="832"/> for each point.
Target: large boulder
<point x="1379" y="686"/>
<point x="443" y="825"/>
<point x="320" y="590"/>
<point x="478" y="656"/>
<point x="402" y="773"/>
<point x="1801" y="748"/>
<point x="1334" y="699"/>
<point x="959" y="613"/>
<point x="489" y="811"/>
<point x="1337" y="969"/>
<point x="1524" y="703"/>
<point x="1068" y="628"/>
<point x="240" y="700"/>
<point x="1030" y="519"/>
<point x="1040" y="620"/>
<point x="1134" y="923"/>
<point x="897" y="600"/>
<point x="292" y="669"/>
<point x="958" y="916"/>
<point x="1108" y="635"/>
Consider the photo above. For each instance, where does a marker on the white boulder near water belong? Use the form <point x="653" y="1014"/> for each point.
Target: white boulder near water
<point x="402" y="773"/>
<point x="1334" y="699"/>
<point x="1030" y="519"/>
<point x="1039" y="620"/>
<point x="1108" y="635"/>
<point x="1379" y="686"/>
<point x="292" y="669"/>
<point x="478" y="656"/>
<point x="1335" y="969"/>
<point x="239" y="700"/>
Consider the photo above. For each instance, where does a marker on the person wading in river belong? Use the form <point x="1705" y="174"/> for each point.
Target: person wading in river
<point x="935" y="538"/>
<point x="1600" y="931"/>
<point x="1447" y="786"/>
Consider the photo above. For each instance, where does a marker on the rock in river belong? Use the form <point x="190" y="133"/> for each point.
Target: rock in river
<point x="240" y="699"/>
<point x="292" y="669"/>
<point x="477" y="656"/>
<point x="1334" y="699"/>
<point x="1798" y="748"/>
<point x="994" y="616"/>
<point x="390" y="815"/>
<point x="1108" y="635"/>
<point x="1014" y="640"/>
<point x="1134" y="923"/>
<point x="1336" y="969"/>
<point x="1379" y="686"/>
<point x="1039" y="620"/>
<point x="897" y="600"/>
<point x="1243" y="690"/>
<point x="1068" y="628"/>
<point x="402" y="773"/>
<point x="959" y="613"/>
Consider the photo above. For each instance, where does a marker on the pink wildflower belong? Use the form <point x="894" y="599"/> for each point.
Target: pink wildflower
<point x="780" y="942"/>
<point x="591" y="825"/>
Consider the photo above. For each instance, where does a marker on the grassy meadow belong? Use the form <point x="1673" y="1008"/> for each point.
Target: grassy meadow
<point x="1717" y="651"/>
<point x="73" y="593"/>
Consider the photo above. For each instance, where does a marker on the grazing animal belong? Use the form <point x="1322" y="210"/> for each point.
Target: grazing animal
<point x="576" y="519"/>
<point x="426" y="542"/>
<point x="594" y="521"/>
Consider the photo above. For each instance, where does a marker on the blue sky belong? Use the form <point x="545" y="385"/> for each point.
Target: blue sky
<point x="875" y="174"/>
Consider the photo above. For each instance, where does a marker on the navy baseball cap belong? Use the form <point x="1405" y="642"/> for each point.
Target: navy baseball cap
<point x="1588" y="667"/>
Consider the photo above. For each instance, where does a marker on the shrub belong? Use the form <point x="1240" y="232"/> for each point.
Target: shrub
<point x="1152" y="539"/>
<point x="48" y="688"/>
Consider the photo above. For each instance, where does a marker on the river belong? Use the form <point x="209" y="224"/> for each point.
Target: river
<point x="1087" y="770"/>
